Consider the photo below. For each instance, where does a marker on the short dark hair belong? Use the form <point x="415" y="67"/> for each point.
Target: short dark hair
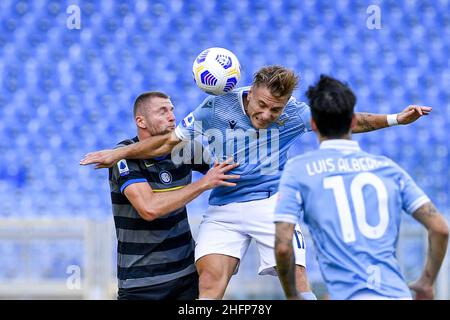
<point x="332" y="105"/>
<point x="279" y="80"/>
<point x="146" y="97"/>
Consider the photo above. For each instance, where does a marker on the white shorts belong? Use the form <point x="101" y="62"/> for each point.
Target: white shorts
<point x="228" y="230"/>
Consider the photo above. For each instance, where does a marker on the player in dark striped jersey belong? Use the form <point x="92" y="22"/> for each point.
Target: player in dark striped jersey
<point x="155" y="245"/>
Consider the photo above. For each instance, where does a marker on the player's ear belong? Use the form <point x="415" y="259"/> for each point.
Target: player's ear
<point x="314" y="126"/>
<point x="140" y="122"/>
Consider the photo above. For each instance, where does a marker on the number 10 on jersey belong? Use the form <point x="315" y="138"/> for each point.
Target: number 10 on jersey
<point x="336" y="184"/>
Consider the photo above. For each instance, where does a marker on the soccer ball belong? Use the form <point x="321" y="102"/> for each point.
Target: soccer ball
<point x="216" y="71"/>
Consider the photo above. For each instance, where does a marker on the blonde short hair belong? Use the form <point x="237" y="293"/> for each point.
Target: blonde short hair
<point x="279" y="80"/>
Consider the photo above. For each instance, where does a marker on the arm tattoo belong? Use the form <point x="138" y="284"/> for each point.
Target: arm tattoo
<point x="364" y="122"/>
<point x="428" y="210"/>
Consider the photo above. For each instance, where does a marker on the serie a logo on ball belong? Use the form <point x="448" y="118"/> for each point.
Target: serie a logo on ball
<point x="216" y="71"/>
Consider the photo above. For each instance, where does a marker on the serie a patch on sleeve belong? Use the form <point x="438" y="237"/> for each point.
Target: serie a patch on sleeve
<point x="123" y="167"/>
<point x="188" y="120"/>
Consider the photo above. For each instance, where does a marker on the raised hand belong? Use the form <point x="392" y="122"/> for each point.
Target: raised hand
<point x="412" y="113"/>
<point x="103" y="158"/>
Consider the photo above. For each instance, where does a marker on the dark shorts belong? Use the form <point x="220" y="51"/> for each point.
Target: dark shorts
<point x="184" y="288"/>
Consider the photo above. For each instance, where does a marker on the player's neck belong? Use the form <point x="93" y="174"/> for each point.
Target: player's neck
<point x="143" y="134"/>
<point x="343" y="137"/>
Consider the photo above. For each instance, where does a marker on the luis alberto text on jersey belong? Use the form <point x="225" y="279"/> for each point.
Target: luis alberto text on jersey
<point x="262" y="154"/>
<point x="351" y="202"/>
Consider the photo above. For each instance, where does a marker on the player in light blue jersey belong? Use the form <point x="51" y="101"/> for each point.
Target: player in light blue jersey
<point x="351" y="202"/>
<point x="256" y="126"/>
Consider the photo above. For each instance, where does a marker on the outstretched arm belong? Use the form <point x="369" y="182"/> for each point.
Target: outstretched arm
<point x="366" y="122"/>
<point x="152" y="205"/>
<point x="149" y="148"/>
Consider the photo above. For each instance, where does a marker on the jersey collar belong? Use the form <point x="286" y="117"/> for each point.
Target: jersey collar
<point x="340" y="144"/>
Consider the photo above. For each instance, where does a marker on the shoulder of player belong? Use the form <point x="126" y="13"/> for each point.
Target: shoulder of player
<point x="293" y="103"/>
<point x="382" y="160"/>
<point x="391" y="163"/>
<point x="239" y="90"/>
<point x="296" y="109"/>
<point x="297" y="160"/>
<point x="126" y="142"/>
<point x="233" y="94"/>
<point x="222" y="102"/>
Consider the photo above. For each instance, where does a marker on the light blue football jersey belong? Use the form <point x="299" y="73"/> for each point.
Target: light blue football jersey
<point x="351" y="202"/>
<point x="262" y="154"/>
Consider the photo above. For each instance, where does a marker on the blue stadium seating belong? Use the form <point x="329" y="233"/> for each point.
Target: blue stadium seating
<point x="66" y="92"/>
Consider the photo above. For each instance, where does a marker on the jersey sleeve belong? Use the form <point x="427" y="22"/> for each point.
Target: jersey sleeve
<point x="412" y="196"/>
<point x="304" y="112"/>
<point x="196" y="122"/>
<point x="127" y="172"/>
<point x="289" y="206"/>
